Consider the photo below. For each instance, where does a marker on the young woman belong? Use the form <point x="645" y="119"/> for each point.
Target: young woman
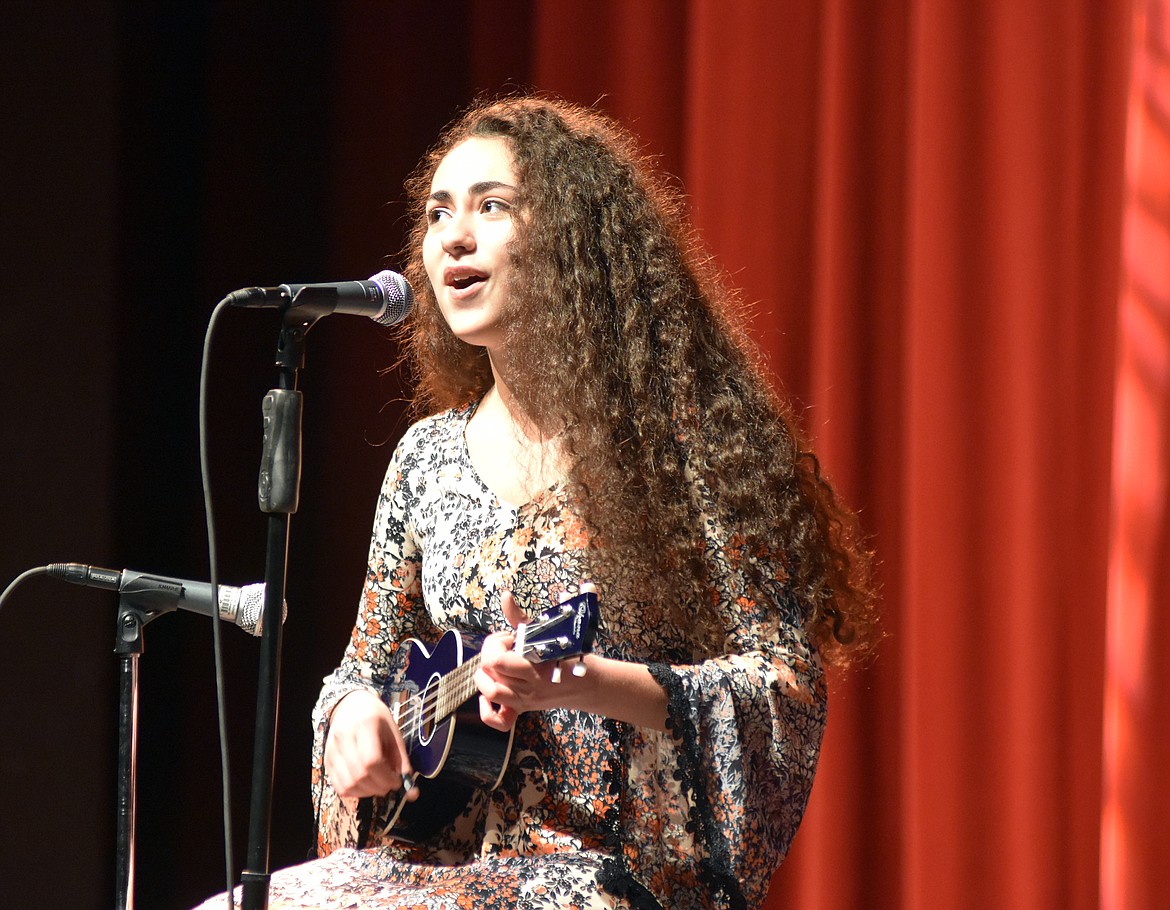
<point x="595" y="420"/>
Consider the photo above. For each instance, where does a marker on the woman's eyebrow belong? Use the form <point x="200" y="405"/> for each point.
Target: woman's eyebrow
<point x="476" y="189"/>
<point x="486" y="186"/>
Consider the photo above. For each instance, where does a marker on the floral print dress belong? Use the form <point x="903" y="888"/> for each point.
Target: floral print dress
<point x="590" y="812"/>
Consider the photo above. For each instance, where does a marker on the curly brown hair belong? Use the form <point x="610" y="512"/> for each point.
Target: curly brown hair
<point x="626" y="336"/>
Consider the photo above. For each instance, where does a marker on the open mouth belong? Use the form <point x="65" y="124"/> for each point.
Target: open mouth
<point x="461" y="279"/>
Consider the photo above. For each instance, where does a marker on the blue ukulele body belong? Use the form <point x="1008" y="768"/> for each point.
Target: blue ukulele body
<point x="452" y="752"/>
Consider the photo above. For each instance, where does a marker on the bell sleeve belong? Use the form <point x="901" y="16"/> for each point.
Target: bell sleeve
<point x="744" y="732"/>
<point x="391" y="610"/>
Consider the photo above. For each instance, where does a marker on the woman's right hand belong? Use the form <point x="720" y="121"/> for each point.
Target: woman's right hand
<point x="364" y="751"/>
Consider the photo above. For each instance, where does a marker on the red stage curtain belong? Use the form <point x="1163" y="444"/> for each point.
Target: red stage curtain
<point x="923" y="203"/>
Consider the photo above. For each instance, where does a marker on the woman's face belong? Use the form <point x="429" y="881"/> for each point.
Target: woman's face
<point x="469" y="226"/>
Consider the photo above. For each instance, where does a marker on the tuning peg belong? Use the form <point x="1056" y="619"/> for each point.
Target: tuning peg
<point x="579" y="668"/>
<point x="556" y="673"/>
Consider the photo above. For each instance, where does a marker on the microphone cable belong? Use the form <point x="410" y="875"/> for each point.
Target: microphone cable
<point x="20" y="579"/>
<point x="216" y="640"/>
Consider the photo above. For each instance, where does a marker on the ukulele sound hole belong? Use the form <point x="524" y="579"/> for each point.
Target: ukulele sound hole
<point x="429" y="702"/>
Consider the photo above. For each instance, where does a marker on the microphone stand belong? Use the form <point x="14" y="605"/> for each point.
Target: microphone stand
<point x="279" y="495"/>
<point x="135" y="610"/>
<point x="128" y="646"/>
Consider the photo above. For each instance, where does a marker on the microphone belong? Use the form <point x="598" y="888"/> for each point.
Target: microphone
<point x="242" y="606"/>
<point x="385" y="298"/>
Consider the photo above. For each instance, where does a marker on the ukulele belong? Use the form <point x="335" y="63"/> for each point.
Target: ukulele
<point x="452" y="751"/>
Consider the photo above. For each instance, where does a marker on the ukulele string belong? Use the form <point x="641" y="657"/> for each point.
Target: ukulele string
<point x="457" y="686"/>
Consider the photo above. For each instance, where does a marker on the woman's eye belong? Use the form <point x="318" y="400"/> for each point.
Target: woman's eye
<point x="495" y="205"/>
<point x="436" y="214"/>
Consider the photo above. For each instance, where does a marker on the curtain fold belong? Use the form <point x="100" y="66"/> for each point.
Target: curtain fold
<point x="1006" y="492"/>
<point x="1135" y="822"/>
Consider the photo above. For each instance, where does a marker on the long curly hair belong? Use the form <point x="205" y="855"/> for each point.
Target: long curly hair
<point x="626" y="336"/>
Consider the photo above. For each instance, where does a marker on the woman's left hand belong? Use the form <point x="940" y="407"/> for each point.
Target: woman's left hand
<point x="510" y="684"/>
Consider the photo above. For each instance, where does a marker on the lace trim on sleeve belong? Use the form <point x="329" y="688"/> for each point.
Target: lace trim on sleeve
<point x="617" y="879"/>
<point x="615" y="876"/>
<point x="715" y="862"/>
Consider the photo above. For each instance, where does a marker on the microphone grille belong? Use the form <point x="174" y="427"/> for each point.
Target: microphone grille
<point x="399" y="297"/>
<point x="250" y="616"/>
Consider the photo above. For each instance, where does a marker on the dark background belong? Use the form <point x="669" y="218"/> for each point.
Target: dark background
<point x="155" y="157"/>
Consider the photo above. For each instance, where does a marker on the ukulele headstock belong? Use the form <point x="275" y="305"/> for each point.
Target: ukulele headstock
<point x="566" y="630"/>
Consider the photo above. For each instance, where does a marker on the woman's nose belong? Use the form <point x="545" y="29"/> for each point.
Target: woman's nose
<point x="459" y="234"/>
